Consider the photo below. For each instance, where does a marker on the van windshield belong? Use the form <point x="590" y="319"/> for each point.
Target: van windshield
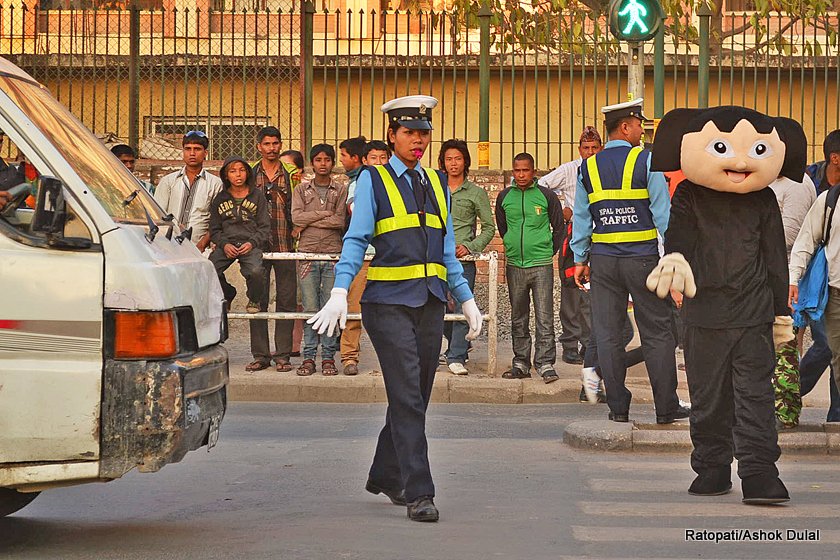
<point x="108" y="180"/>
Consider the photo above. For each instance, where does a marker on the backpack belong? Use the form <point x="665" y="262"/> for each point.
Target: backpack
<point x="813" y="286"/>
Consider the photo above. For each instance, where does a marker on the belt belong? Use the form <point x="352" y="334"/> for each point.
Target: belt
<point x="833" y="290"/>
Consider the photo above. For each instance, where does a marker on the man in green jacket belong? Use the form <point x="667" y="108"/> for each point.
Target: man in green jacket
<point x="530" y="222"/>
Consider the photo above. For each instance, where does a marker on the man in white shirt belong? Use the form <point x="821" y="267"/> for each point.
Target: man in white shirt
<point x="574" y="303"/>
<point x="810" y="236"/>
<point x="795" y="199"/>
<point x="188" y="192"/>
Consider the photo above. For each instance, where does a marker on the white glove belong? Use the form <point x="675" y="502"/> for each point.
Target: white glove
<point x="672" y="273"/>
<point x="474" y="319"/>
<point x="334" y="312"/>
<point x="782" y="330"/>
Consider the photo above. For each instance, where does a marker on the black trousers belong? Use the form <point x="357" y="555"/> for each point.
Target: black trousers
<point x="250" y="266"/>
<point x="613" y="278"/>
<point x="575" y="313"/>
<point x="407" y="341"/>
<point x="730" y="374"/>
<point x="285" y="290"/>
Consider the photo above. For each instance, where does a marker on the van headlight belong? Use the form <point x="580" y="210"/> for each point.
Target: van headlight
<point x="150" y="335"/>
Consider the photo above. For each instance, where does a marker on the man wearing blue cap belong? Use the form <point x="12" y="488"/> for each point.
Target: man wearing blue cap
<point x="403" y="211"/>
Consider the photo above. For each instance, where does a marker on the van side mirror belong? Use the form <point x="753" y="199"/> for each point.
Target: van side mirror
<point x="51" y="215"/>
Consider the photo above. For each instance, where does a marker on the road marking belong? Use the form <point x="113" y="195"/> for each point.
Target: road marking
<point x="723" y="506"/>
<point x="660" y="535"/>
<point x="672" y="484"/>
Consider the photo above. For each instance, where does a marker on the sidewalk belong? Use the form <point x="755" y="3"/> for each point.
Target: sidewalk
<point x="479" y="386"/>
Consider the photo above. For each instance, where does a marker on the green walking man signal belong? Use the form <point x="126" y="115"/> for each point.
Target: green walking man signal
<point x="635" y="20"/>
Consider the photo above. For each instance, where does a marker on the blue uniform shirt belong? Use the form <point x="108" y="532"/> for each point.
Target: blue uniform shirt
<point x="582" y="224"/>
<point x="360" y="234"/>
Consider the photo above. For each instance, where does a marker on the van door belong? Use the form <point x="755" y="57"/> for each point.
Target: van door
<point x="50" y="332"/>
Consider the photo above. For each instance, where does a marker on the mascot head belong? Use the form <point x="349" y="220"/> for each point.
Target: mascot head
<point x="729" y="149"/>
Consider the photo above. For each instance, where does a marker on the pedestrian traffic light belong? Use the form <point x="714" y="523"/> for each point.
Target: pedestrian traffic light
<point x="635" y="20"/>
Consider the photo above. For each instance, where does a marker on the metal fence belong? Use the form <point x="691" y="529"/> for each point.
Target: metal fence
<point x="148" y="76"/>
<point x="490" y="316"/>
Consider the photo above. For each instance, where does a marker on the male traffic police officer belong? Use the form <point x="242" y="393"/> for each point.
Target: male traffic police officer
<point x="403" y="211"/>
<point x="619" y="207"/>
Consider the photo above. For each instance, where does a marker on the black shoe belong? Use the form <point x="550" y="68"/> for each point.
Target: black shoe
<point x="572" y="356"/>
<point x="682" y="412"/>
<point x="516" y="372"/>
<point x="602" y="397"/>
<point x="582" y="396"/>
<point x="619" y="417"/>
<point x="763" y="489"/>
<point x="715" y="482"/>
<point x="423" y="509"/>
<point x="549" y="376"/>
<point x="397" y="497"/>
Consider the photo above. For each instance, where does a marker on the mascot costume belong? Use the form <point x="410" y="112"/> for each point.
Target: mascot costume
<point x="725" y="251"/>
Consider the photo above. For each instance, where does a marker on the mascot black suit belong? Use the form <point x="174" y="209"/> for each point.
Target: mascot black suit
<point x="725" y="250"/>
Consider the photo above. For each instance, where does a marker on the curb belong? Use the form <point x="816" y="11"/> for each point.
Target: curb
<point x="370" y="388"/>
<point x="604" y="435"/>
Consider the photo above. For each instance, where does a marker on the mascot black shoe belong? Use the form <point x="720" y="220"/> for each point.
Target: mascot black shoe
<point x="761" y="489"/>
<point x="725" y="251"/>
<point x="713" y="482"/>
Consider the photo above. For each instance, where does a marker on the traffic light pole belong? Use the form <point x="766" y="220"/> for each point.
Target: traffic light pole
<point x="636" y="71"/>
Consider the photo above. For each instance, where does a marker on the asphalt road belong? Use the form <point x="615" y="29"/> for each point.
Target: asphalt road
<point x="286" y="482"/>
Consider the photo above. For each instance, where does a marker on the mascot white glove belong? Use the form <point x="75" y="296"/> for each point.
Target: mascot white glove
<point x="474" y="319"/>
<point x="333" y="313"/>
<point x="672" y="273"/>
<point x="782" y="330"/>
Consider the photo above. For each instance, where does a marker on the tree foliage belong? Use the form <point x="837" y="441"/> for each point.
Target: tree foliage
<point x="776" y="26"/>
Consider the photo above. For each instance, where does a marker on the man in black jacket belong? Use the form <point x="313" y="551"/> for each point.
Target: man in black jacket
<point x="239" y="227"/>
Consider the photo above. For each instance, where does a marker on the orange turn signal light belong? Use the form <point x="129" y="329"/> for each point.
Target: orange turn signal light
<point x="144" y="334"/>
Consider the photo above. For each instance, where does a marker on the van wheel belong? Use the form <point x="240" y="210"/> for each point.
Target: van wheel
<point x="12" y="500"/>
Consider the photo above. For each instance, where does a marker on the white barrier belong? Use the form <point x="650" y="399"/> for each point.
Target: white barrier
<point x="492" y="259"/>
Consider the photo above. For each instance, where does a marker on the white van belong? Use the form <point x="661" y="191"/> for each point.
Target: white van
<point x="111" y="322"/>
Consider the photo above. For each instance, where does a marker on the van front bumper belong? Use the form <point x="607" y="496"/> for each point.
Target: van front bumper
<point x="154" y="412"/>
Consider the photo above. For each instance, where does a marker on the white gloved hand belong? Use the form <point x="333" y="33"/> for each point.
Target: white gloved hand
<point x="334" y="312"/>
<point x="474" y="318"/>
<point x="782" y="330"/>
<point x="672" y="273"/>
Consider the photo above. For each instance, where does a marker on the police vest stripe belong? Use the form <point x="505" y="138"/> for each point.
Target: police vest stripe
<point x="627" y="192"/>
<point x="395" y="273"/>
<point x="624" y="236"/>
<point x="403" y="220"/>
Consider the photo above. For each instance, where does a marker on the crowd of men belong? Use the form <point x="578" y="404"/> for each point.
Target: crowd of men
<point x="266" y="206"/>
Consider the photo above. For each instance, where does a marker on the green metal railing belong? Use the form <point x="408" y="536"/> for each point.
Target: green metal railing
<point x="148" y="76"/>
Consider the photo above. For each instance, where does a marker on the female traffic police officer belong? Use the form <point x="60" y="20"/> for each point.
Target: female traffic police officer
<point x="403" y="211"/>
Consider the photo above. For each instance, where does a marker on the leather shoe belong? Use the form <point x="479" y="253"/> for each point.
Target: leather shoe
<point x="397" y="497"/>
<point x="682" y="412"/>
<point x="423" y="509"/>
<point x="572" y="356"/>
<point x="619" y="417"/>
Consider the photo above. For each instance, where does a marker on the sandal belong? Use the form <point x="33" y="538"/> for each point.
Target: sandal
<point x="306" y="368"/>
<point x="283" y="365"/>
<point x="328" y="367"/>
<point x="257" y="365"/>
